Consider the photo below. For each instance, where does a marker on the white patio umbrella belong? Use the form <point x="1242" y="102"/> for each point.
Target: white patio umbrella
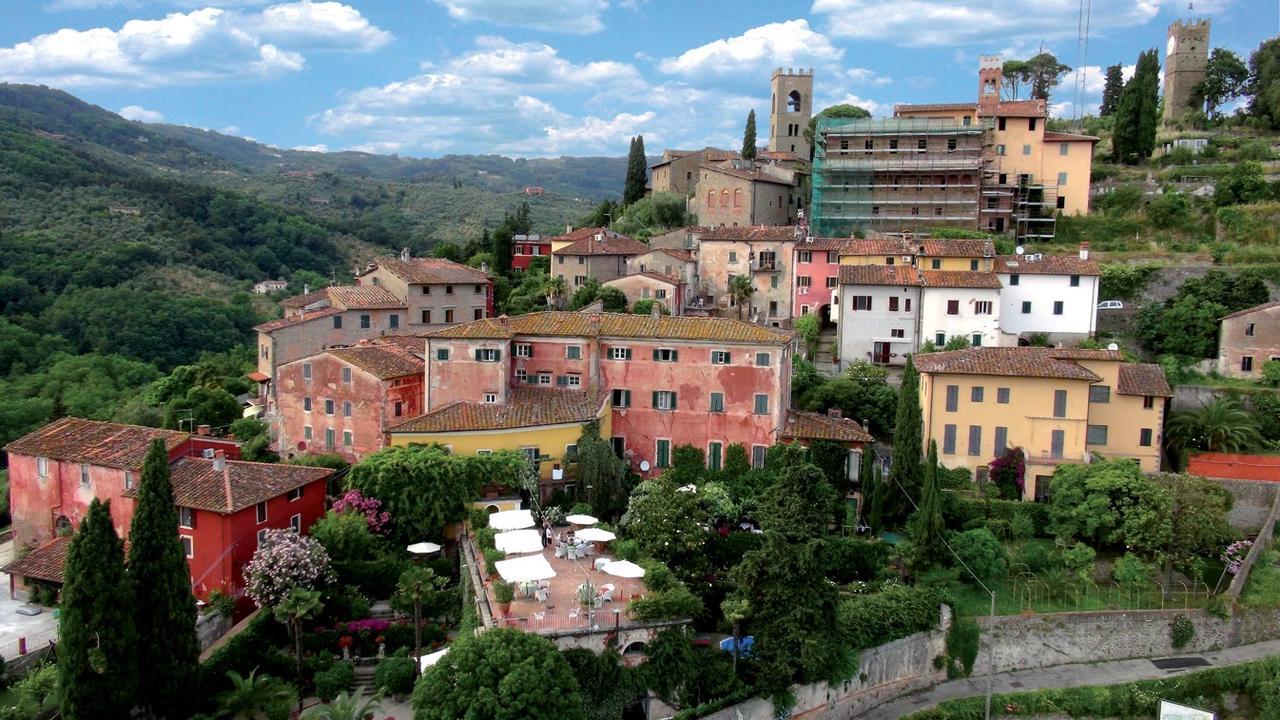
<point x="623" y="569"/>
<point x="594" y="535"/>
<point x="430" y="659"/>
<point x="581" y="520"/>
<point x="511" y="520"/>
<point x="518" y="541"/>
<point x="528" y="567"/>
<point x="423" y="548"/>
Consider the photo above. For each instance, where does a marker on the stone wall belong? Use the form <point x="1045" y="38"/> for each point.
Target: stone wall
<point x="1251" y="502"/>
<point x="210" y="626"/>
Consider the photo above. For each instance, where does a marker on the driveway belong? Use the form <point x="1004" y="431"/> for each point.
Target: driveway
<point x="38" y="629"/>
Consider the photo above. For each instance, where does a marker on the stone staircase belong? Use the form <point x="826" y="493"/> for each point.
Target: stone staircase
<point x="364" y="681"/>
<point x="824" y="362"/>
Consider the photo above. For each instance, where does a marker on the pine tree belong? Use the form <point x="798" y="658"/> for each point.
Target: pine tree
<point x="637" y="172"/>
<point x="97" y="664"/>
<point x="904" y="467"/>
<point x="749" y="137"/>
<point x="168" y="650"/>
<point x="927" y="525"/>
<point x="1137" y="111"/>
<point x="1111" y="91"/>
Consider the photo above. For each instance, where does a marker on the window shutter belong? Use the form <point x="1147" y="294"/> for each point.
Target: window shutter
<point x="655" y="354"/>
<point x="673" y="399"/>
<point x="562" y="380"/>
<point x="497" y="356"/>
<point x="675" y="356"/>
<point x="530" y="350"/>
<point x="655" y="397"/>
<point x="626" y="352"/>
<point x="477" y="354"/>
<point x="728" y="358"/>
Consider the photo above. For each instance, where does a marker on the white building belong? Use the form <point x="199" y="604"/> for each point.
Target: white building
<point x="878" y="313"/>
<point x="1052" y="294"/>
<point x="963" y="303"/>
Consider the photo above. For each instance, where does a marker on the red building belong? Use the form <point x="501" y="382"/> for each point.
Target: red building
<point x="343" y="400"/>
<point x="524" y="248"/>
<point x="57" y="471"/>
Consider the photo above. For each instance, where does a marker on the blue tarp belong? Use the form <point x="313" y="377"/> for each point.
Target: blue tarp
<point x="744" y="645"/>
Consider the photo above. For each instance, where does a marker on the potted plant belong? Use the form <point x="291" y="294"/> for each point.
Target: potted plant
<point x="504" y="594"/>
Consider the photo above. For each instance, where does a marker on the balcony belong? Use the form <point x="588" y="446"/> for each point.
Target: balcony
<point x="766" y="266"/>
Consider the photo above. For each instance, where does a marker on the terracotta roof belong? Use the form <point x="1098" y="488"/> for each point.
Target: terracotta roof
<point x="363" y="297"/>
<point x="752" y="175"/>
<point x="94" y="442"/>
<point x="1006" y="361"/>
<point x="382" y="361"/>
<point x="1021" y="108"/>
<point x="527" y="407"/>
<point x="779" y="155"/>
<point x="839" y="245"/>
<point x="1048" y="265"/>
<point x="879" y="246"/>
<point x="1254" y="309"/>
<point x="710" y="153"/>
<point x="932" y="107"/>
<point x="583" y="233"/>
<point x="960" y="279"/>
<point x="258" y="377"/>
<point x="274" y="325"/>
<point x="1143" y="379"/>
<point x="817" y="426"/>
<point x="298" y="301"/>
<point x="431" y="271"/>
<point x="656" y="276"/>
<point x="610" y="245"/>
<point x="681" y="255"/>
<point x="1050" y="136"/>
<point x="615" y="325"/>
<point x="412" y="343"/>
<point x="754" y="233"/>
<point x="197" y="485"/>
<point x="43" y="563"/>
<point x="903" y="275"/>
<point x="954" y="247"/>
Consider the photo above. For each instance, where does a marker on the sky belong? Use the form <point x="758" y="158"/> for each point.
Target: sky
<point x="546" y="78"/>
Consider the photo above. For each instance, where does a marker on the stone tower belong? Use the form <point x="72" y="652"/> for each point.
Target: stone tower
<point x="990" y="78"/>
<point x="790" y="107"/>
<point x="1186" y="57"/>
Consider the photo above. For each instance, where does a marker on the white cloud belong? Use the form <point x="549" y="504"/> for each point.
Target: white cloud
<point x="318" y="147"/>
<point x="184" y="48"/>
<point x="790" y="43"/>
<point x="141" y="114"/>
<point x="871" y="106"/>
<point x="952" y="22"/>
<point x="865" y="76"/>
<point x="585" y="136"/>
<point x="565" y="16"/>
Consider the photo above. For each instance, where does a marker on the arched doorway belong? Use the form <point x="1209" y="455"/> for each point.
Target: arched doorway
<point x="824" y="313"/>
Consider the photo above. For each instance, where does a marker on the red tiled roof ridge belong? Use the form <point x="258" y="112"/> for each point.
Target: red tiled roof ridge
<point x="900" y="275"/>
<point x="273" y="325"/>
<point x="615" y="325"/>
<point x="1255" y="308"/>
<point x="431" y="271"/>
<point x="801" y="424"/>
<point x="960" y="279"/>
<point x="526" y="407"/>
<point x="1060" y="264"/>
<point x="754" y="233"/>
<point x="610" y="245"/>
<point x="1012" y="362"/>
<point x="94" y="442"/>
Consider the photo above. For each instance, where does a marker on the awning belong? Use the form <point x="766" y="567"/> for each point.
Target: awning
<point x="258" y="377"/>
<point x="518" y="541"/>
<point x="511" y="520"/>
<point x="522" y="569"/>
<point x="430" y="659"/>
<point x="594" y="535"/>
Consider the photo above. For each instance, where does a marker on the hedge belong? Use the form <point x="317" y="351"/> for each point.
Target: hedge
<point x="257" y="646"/>
<point x="851" y="559"/>
<point x="394" y="676"/>
<point x="965" y="512"/>
<point x="337" y="679"/>
<point x="866" y="621"/>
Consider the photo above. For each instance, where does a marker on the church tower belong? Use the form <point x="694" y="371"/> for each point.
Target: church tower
<point x="790" y="107"/>
<point x="1186" y="57"/>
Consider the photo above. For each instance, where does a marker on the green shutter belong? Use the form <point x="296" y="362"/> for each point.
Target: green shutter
<point x="675" y="356"/>
<point x="655" y="354"/>
<point x="497" y="355"/>
<point x="728" y="358"/>
<point x="673" y="399"/>
<point x="627" y="352"/>
<point x="655" y="400"/>
<point x="530" y="349"/>
<point x="477" y="354"/>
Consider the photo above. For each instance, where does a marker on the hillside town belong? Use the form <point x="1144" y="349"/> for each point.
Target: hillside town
<point x="863" y="421"/>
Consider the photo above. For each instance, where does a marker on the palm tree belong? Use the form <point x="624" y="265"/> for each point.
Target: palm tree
<point x="301" y="604"/>
<point x="740" y="290"/>
<point x="346" y="707"/>
<point x="257" y="697"/>
<point x="1222" y="426"/>
<point x="418" y="586"/>
<point x="555" y="288"/>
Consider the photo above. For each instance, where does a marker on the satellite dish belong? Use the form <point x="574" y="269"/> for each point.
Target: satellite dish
<point x="1113" y="347"/>
<point x="1019" y="249"/>
<point x="644" y="466"/>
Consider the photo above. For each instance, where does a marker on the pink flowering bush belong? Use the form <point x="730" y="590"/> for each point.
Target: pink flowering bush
<point x="1235" y="554"/>
<point x="283" y="561"/>
<point x="370" y="507"/>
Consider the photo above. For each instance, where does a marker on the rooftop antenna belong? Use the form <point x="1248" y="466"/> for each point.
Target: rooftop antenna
<point x="1082" y="60"/>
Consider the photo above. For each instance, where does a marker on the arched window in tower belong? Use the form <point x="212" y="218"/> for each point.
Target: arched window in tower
<point x="711" y="199"/>
<point x="724" y="198"/>
<point x="793" y="101"/>
<point x="737" y="197"/>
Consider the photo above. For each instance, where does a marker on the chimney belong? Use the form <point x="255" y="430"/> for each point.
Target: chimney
<point x="204" y="430"/>
<point x="835" y="412"/>
<point x="1084" y="250"/>
<point x="655" y="310"/>
<point x="404" y="253"/>
<point x="305" y="288"/>
<point x="219" y="460"/>
<point x="568" y="229"/>
<point x="484" y="267"/>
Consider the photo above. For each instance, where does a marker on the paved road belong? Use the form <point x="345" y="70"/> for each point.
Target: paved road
<point x="38" y="629"/>
<point x="1062" y="676"/>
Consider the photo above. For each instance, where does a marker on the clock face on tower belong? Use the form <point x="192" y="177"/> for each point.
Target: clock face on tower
<point x="1173" y="44"/>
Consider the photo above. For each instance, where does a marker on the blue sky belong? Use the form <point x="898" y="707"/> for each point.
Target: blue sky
<point x="549" y="78"/>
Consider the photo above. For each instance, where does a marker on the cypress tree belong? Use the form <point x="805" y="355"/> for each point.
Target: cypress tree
<point x="866" y="472"/>
<point x="927" y="526"/>
<point x="97" y="665"/>
<point x="749" y="137"/>
<point x="1133" y="135"/>
<point x="501" y="246"/>
<point x="168" y="650"/>
<point x="637" y="172"/>
<point x="904" y="468"/>
<point x="1111" y="91"/>
<point x="876" y="518"/>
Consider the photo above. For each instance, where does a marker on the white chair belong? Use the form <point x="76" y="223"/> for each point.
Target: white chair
<point x="542" y="595"/>
<point x="573" y="614"/>
<point x="538" y="617"/>
<point x="607" y="595"/>
<point x="559" y="551"/>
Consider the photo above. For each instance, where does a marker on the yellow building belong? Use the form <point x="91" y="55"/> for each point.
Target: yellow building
<point x="1060" y="405"/>
<point x="543" y="423"/>
<point x="923" y="251"/>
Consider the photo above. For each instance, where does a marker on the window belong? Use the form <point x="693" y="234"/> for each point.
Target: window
<point x="762" y="359"/>
<point x="1031" y="124"/>
<point x="975" y="439"/>
<point x="976" y="340"/>
<point x="573" y="380"/>
<point x="1062" y="178"/>
<point x="442" y="354"/>
<point x="560" y="259"/>
<point x="346" y="408"/>
<point x="84" y="476"/>
<point x="295" y="523"/>
<point x="1246" y="363"/>
<point x="1000" y="149"/>
<point x="330" y="438"/>
<point x="868" y="144"/>
<point x="619" y="353"/>
<point x="1057" y="307"/>
<point x="733" y="256"/>
<point x="426" y="289"/>
<point x="398" y="408"/>
<point x="448" y="289"/>
<point x="1096" y="435"/>
<point x="1026" y="149"/>
<point x="662" y="458"/>
<point x="1002" y="440"/>
<point x="906" y="304"/>
<point x="1075" y="281"/>
<point x="973" y="265"/>
<point x="1148" y="402"/>
<point x="948" y="439"/>
<point x="306" y="432"/>
<point x="573" y="352"/>
<point x="665" y="355"/>
<point x="521" y="375"/>
<point x="306" y="371"/>
<point x="804" y="256"/>
<point x="1026" y="307"/>
<point x="773" y="282"/>
<point x="337" y="322"/>
<point x="188" y="546"/>
<point x="897" y="332"/>
<point x="1013" y="279"/>
<point x="940" y="339"/>
<point x="758" y="455"/>
<point x="128" y="479"/>
<point x="365" y="322"/>
<point x="543" y="378"/>
<point x="953" y="397"/>
<point x="860" y="302"/>
<point x="328" y="406"/>
<point x="713" y="455"/>
<point x="1099" y="394"/>
<point x="716" y="403"/>
<point x="1063" y="148"/>
<point x="922" y="144"/>
<point x="262" y="535"/>
<point x="477" y="314"/>
<point x="1002" y="396"/>
<point x="294" y="494"/>
<point x="1248" y="330"/>
<point x="490" y="398"/>
<point x="953" y="307"/>
<point x="393" y="321"/>
<point x="186" y="517"/>
<point x="261" y="509"/>
<point x="1000" y="123"/>
<point x="1059" y="403"/>
<point x="571" y="453"/>
<point x="982" y="307"/>
<point x="448" y="315"/>
<point x="426" y="317"/>
<point x="479" y="289"/>
<point x="975" y="393"/>
<point x="621" y="398"/>
<point x="719" y="357"/>
<point x="893" y="145"/>
<point x="762" y="404"/>
<point x="488" y="355"/>
<point x="803" y="281"/>
<point x="951" y="144"/>
<point x="1144" y="437"/>
<point x="347" y="439"/>
<point x="346" y="375"/>
<point x="664" y="400"/>
<point x="833" y="281"/>
<point x="523" y="350"/>
<point x="893" y="304"/>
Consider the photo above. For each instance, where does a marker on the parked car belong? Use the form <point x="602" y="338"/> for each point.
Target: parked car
<point x="1110" y="305"/>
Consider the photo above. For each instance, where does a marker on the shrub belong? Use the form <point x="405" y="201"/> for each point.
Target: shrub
<point x="962" y="646"/>
<point x="626" y="549"/>
<point x="677" y="602"/>
<point x="394" y="676"/>
<point x="1079" y="559"/>
<point x="338" y="678"/>
<point x="1131" y="570"/>
<point x="503" y="592"/>
<point x="491" y="557"/>
<point x="484" y="537"/>
<point x="1022" y="526"/>
<point x="1182" y="632"/>
<point x="850" y="559"/>
<point x="865" y="621"/>
<point x="981" y="552"/>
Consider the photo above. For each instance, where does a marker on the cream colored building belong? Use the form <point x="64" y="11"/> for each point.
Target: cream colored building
<point x="743" y="196"/>
<point x="761" y="253"/>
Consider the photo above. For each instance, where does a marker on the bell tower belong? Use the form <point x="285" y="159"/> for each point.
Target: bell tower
<point x="1186" y="59"/>
<point x="790" y="107"/>
<point x="990" y="78"/>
